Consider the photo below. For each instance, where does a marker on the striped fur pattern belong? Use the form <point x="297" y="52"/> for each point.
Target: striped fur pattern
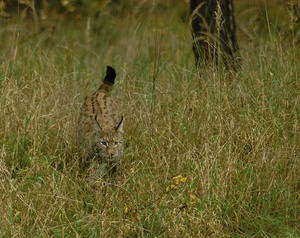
<point x="100" y="130"/>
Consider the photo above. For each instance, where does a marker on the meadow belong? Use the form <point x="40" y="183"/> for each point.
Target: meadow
<point x="209" y="152"/>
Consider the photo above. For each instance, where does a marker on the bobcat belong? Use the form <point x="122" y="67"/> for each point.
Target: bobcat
<point x="100" y="130"/>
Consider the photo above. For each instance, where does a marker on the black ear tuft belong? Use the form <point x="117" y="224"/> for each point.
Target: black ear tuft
<point x="110" y="75"/>
<point x="119" y="127"/>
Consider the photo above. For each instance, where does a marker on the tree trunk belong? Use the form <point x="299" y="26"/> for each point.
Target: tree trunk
<point x="214" y="33"/>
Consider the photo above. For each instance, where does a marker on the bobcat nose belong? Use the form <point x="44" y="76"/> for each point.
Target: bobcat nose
<point x="110" y="153"/>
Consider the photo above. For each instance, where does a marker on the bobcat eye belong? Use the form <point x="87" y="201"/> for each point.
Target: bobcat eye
<point x="104" y="143"/>
<point x="116" y="143"/>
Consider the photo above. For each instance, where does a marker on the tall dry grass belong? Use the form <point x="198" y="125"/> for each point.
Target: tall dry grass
<point x="208" y="152"/>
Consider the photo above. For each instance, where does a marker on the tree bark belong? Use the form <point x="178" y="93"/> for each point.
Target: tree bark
<point x="214" y="33"/>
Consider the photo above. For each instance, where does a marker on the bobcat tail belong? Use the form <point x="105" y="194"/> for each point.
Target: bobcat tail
<point x="110" y="75"/>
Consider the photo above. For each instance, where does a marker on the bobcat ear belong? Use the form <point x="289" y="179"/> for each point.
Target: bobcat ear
<point x="119" y="127"/>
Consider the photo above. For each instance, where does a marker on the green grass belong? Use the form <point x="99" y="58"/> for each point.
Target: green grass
<point x="233" y="136"/>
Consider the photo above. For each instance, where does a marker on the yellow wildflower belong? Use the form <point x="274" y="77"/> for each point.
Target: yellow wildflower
<point x="179" y="179"/>
<point x="172" y="187"/>
<point x="126" y="210"/>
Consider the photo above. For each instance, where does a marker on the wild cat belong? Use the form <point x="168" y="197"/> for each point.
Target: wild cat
<point x="100" y="130"/>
